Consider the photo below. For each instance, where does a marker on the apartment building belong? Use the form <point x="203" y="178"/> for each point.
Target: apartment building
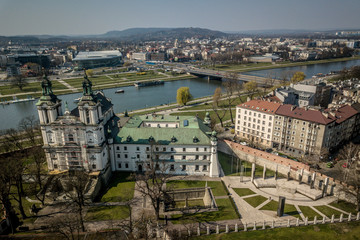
<point x="299" y="130"/>
<point x="255" y="120"/>
<point x="295" y="130"/>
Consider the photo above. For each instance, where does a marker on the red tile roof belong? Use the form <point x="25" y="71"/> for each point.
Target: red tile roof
<point x="341" y="114"/>
<point x="304" y="114"/>
<point x="261" y="106"/>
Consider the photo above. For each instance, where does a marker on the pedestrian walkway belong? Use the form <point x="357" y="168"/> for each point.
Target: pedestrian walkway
<point x="249" y="213"/>
<point x="67" y="85"/>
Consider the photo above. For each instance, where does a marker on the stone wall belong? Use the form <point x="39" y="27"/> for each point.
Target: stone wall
<point x="296" y="170"/>
<point x="190" y="193"/>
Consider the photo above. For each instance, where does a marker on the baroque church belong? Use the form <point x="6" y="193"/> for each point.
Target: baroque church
<point x="92" y="138"/>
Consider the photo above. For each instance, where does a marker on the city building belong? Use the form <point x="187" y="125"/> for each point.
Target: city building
<point x="305" y="94"/>
<point x="95" y="59"/>
<point x="255" y="120"/>
<point x="295" y="130"/>
<point x="141" y="56"/>
<point x="91" y="137"/>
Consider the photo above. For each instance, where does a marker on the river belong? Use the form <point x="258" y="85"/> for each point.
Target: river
<point x="133" y="98"/>
<point x="309" y="70"/>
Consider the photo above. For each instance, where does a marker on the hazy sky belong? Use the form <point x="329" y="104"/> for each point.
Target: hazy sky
<point x="18" y="17"/>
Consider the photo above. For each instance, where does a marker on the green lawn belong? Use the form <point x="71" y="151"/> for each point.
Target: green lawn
<point x="243" y="191"/>
<point x="288" y="210"/>
<point x="226" y="212"/>
<point x="308" y="212"/>
<point x="120" y="188"/>
<point x="191" y="203"/>
<point x="343" y="231"/>
<point x="216" y="186"/>
<point x="345" y="206"/>
<point x="255" y="201"/>
<point x="328" y="211"/>
<point x="101" y="213"/>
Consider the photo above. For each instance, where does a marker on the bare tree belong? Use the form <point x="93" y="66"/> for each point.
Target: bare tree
<point x="19" y="167"/>
<point x="19" y="81"/>
<point x="152" y="183"/>
<point x="351" y="174"/>
<point x="220" y="112"/>
<point x="230" y="87"/>
<point x="12" y="140"/>
<point x="269" y="82"/>
<point x="76" y="183"/>
<point x="29" y="125"/>
<point x="67" y="225"/>
<point x="6" y="181"/>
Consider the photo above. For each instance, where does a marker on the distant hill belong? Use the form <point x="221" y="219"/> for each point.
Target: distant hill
<point x="162" y="33"/>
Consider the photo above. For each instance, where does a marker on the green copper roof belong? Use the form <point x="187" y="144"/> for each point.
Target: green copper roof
<point x="191" y="131"/>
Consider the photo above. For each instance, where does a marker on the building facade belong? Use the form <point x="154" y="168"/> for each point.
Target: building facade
<point x="92" y="138"/>
<point x="295" y="130"/>
<point x="95" y="59"/>
<point x="255" y="120"/>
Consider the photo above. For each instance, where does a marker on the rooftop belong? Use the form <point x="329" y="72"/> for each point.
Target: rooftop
<point x="303" y="114"/>
<point x="191" y="131"/>
<point x="97" y="55"/>
<point x="261" y="106"/>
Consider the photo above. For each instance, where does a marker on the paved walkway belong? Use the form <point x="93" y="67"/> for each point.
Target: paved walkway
<point x="67" y="85"/>
<point x="251" y="214"/>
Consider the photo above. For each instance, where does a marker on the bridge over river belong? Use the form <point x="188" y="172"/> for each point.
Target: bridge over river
<point x="219" y="75"/>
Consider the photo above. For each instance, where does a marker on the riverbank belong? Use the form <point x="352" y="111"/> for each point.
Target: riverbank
<point x="74" y="85"/>
<point x="266" y="66"/>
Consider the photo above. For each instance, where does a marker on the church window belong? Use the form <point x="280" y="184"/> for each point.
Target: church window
<point x="87" y="116"/>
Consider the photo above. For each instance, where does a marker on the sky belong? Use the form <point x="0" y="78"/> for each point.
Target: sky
<point x="78" y="17"/>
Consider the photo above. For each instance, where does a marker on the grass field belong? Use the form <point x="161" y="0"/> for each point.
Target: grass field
<point x="216" y="186"/>
<point x="345" y="206"/>
<point x="226" y="211"/>
<point x="328" y="211"/>
<point x="308" y="212"/>
<point x="343" y="231"/>
<point x="255" y="201"/>
<point x="102" y="213"/>
<point x="243" y="191"/>
<point x="120" y="188"/>
<point x="191" y="203"/>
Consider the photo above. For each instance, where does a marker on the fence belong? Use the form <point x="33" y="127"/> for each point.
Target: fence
<point x="255" y="226"/>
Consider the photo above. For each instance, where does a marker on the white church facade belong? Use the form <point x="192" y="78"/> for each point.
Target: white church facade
<point x="92" y="138"/>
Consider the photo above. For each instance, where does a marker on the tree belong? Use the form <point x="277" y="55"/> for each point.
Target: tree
<point x="269" y="82"/>
<point x="251" y="88"/>
<point x="67" y="225"/>
<point x="6" y="181"/>
<point x="297" y="77"/>
<point x="90" y="72"/>
<point x="29" y="125"/>
<point x="19" y="81"/>
<point x="220" y="112"/>
<point x="75" y="190"/>
<point x="152" y="184"/>
<point x="351" y="174"/>
<point x="230" y="85"/>
<point x="183" y="96"/>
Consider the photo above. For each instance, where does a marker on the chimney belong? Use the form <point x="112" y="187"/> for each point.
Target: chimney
<point x="292" y="108"/>
<point x="325" y="114"/>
